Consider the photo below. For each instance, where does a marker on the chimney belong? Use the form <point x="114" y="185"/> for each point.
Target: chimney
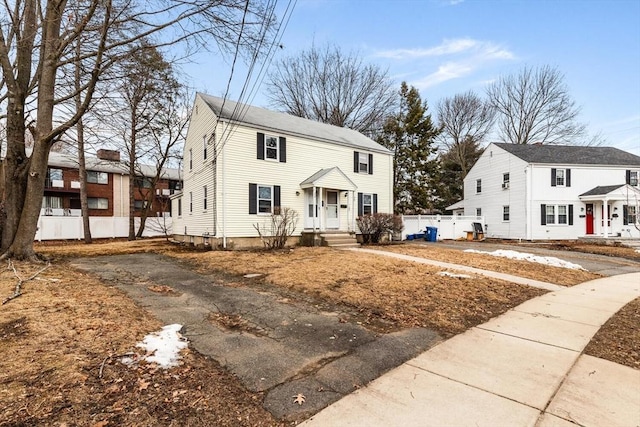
<point x="111" y="155"/>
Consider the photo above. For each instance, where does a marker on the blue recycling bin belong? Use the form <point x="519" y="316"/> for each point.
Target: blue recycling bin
<point x="431" y="234"/>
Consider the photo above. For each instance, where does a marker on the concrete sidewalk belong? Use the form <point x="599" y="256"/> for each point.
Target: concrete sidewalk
<point x="446" y="265"/>
<point x="524" y="368"/>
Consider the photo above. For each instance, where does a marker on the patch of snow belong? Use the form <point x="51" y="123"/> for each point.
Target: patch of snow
<point x="163" y="347"/>
<point x="458" y="276"/>
<point x="523" y="256"/>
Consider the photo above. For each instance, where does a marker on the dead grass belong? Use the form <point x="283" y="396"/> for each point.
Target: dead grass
<point x="619" y="339"/>
<point x="530" y="270"/>
<point x="385" y="291"/>
<point x="55" y="337"/>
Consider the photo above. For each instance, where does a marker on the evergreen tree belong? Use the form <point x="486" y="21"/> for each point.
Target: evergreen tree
<point x="410" y="135"/>
<point x="452" y="162"/>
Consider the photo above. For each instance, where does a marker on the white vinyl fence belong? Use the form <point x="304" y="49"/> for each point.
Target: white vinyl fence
<point x="449" y="226"/>
<point x="70" y="227"/>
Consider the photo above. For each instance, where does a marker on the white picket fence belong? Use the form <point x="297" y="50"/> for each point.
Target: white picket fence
<point x="449" y="226"/>
<point x="70" y="227"/>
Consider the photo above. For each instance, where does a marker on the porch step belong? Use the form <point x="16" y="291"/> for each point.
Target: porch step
<point x="339" y="240"/>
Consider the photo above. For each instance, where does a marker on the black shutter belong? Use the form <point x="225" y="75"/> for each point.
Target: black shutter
<point x="543" y="214"/>
<point x="625" y="214"/>
<point x="553" y="177"/>
<point x="370" y="164"/>
<point x="359" y="204"/>
<point x="283" y="149"/>
<point x="570" y="214"/>
<point x="253" y="198"/>
<point x="260" y="146"/>
<point x="568" y="177"/>
<point x="375" y="203"/>
<point x="276" y="199"/>
<point x="628" y="177"/>
<point x="355" y="161"/>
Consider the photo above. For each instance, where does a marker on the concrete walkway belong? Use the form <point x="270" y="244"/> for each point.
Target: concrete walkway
<point x="473" y="270"/>
<point x="524" y="368"/>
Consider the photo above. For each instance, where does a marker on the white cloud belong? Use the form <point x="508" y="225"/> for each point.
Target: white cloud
<point x="448" y="71"/>
<point x="447" y="47"/>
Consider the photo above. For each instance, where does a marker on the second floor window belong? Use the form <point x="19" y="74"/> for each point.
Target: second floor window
<point x="561" y="177"/>
<point x="633" y="178"/>
<point x="204" y="147"/>
<point x="97" y="177"/>
<point x="478" y="186"/>
<point x="505" y="180"/>
<point x="204" y="197"/>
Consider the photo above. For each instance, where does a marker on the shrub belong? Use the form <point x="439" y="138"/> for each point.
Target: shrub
<point x="281" y="225"/>
<point x="376" y="225"/>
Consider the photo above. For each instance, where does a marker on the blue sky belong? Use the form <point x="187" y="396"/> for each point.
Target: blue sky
<point x="445" y="47"/>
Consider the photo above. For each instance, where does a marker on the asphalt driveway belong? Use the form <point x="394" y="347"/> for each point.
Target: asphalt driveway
<point x="272" y="344"/>
<point x="601" y="264"/>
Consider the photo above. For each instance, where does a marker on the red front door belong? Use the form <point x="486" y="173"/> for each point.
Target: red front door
<point x="589" y="219"/>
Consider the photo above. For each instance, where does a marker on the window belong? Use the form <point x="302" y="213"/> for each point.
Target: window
<point x="478" y="211"/>
<point x="367" y="203"/>
<point x="505" y="180"/>
<point x="272" y="147"/>
<point x="561" y="177"/>
<point x="98" y="203"/>
<point x="52" y="202"/>
<point x="139" y="204"/>
<point x="629" y="215"/>
<point x="551" y="214"/>
<point x="556" y="214"/>
<point x="190" y="202"/>
<point x="97" y="177"/>
<point x="180" y="206"/>
<point x="190" y="158"/>
<point x="562" y="214"/>
<point x="633" y="178"/>
<point x="265" y="199"/>
<point x="204" y="147"/>
<point x="142" y="182"/>
<point x="54" y="174"/>
<point x="362" y="162"/>
<point x="204" y="197"/>
<point x="505" y="213"/>
<point x="478" y="186"/>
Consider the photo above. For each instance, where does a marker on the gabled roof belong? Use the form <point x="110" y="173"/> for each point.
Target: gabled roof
<point x="335" y="175"/>
<point x="570" y="154"/>
<point x="288" y="124"/>
<point x="456" y="205"/>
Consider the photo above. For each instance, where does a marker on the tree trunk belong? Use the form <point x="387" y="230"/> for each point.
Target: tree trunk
<point x="132" y="175"/>
<point x="82" y="170"/>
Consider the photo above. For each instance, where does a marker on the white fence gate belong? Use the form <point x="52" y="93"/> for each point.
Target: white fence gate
<point x="449" y="226"/>
<point x="70" y="227"/>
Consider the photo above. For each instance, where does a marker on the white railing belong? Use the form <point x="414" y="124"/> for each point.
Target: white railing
<point x="70" y="227"/>
<point x="449" y="226"/>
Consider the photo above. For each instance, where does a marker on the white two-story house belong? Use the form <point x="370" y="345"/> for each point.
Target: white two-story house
<point x="242" y="164"/>
<point x="537" y="192"/>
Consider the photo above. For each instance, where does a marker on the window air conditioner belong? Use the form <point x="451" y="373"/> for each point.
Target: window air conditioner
<point x="505" y="185"/>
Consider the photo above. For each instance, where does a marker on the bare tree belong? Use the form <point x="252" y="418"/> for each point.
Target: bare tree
<point x="36" y="42"/>
<point x="465" y="121"/>
<point x="329" y="86"/>
<point x="534" y="106"/>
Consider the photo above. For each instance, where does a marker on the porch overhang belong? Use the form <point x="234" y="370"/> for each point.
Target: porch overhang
<point x="329" y="178"/>
<point x="611" y="193"/>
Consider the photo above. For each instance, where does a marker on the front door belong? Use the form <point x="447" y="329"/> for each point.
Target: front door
<point x="589" y="218"/>
<point x="333" y="209"/>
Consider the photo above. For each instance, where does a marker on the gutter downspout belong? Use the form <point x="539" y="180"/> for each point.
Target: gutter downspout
<point x="224" y="201"/>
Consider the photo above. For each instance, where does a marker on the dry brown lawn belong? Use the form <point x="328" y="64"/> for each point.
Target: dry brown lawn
<point x="55" y="338"/>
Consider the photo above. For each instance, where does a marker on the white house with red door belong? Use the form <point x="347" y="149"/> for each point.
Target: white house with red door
<point x="540" y="192"/>
<point x="243" y="164"/>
